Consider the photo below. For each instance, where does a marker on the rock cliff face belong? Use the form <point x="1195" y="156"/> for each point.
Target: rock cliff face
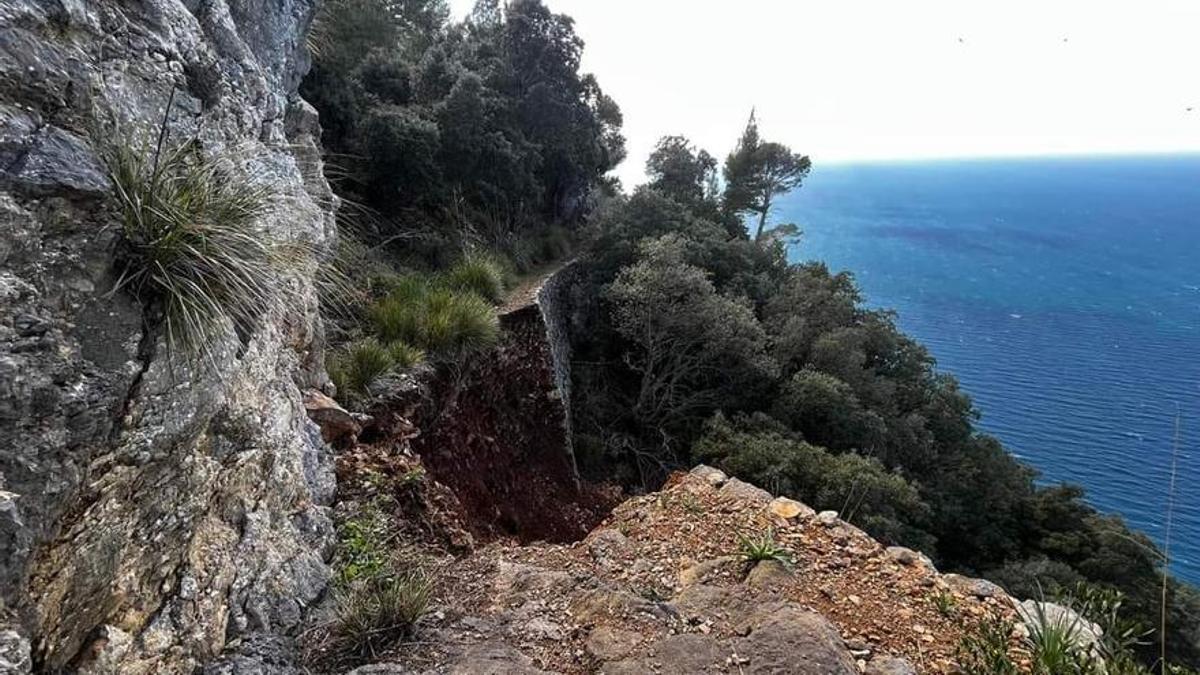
<point x="151" y="511"/>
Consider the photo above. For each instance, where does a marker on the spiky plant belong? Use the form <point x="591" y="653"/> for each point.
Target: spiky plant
<point x="399" y="317"/>
<point x="405" y="356"/>
<point x="762" y="546"/>
<point x="189" y="249"/>
<point x="944" y="602"/>
<point x="357" y="365"/>
<point x="378" y="612"/>
<point x="1057" y="642"/>
<point x="458" y="322"/>
<point x="480" y="274"/>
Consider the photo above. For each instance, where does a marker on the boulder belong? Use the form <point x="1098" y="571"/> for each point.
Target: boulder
<point x="827" y="518"/>
<point x="767" y="573"/>
<point x="713" y="477"/>
<point x="796" y="641"/>
<point x="790" y="509"/>
<point x="743" y="491"/>
<point x="610" y="644"/>
<point x="336" y="423"/>
<point x="1086" y="635"/>
<point x="977" y="588"/>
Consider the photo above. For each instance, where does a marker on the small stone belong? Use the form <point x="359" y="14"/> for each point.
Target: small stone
<point x="827" y="518"/>
<point x="790" y="509"/>
<point x="889" y="665"/>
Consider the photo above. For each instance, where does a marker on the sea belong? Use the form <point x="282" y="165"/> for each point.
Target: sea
<point x="1065" y="296"/>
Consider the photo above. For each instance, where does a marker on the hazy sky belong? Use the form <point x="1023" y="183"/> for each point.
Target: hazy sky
<point x="852" y="79"/>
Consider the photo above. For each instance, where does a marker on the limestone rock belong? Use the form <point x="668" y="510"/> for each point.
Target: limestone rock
<point x="978" y="588"/>
<point x="796" y="641"/>
<point x="492" y="659"/>
<point x="767" y="573"/>
<point x="790" y="509"/>
<point x="336" y="422"/>
<point x="743" y="491"/>
<point x="709" y="569"/>
<point x="889" y="665"/>
<point x="687" y="654"/>
<point x="827" y="518"/>
<point x="713" y="477"/>
<point x="126" y="469"/>
<point x="610" y="644"/>
<point x="1087" y="635"/>
<point x="14" y="654"/>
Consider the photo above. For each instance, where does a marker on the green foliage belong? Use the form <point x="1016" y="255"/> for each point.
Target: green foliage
<point x="945" y="603"/>
<point x="404" y="355"/>
<point x="984" y="650"/>
<point x="379" y="594"/>
<point x="355" y="366"/>
<point x="762" y="451"/>
<point x="692" y="348"/>
<point x="481" y="275"/>
<point x="362" y="551"/>
<point x="189" y="250"/>
<point x="758" y="172"/>
<point x="482" y="130"/>
<point x="1057" y="641"/>
<point x="762" y="546"/>
<point x="440" y="320"/>
<point x="377" y="613"/>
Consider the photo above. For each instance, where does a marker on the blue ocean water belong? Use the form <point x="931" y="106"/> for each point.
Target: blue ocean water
<point x="1063" y="293"/>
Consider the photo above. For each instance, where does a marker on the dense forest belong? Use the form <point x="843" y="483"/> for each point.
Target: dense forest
<point x="448" y="140"/>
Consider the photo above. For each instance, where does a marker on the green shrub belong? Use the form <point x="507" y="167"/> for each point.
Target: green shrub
<point x="1055" y="641"/>
<point x="405" y="356"/>
<point x="479" y="274"/>
<point x="188" y="249"/>
<point x="762" y="546"/>
<point x="355" y="366"/>
<point x="377" y="613"/>
<point x="457" y="321"/>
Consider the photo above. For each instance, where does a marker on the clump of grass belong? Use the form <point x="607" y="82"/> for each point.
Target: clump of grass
<point x="188" y="247"/>
<point x="405" y="356"/>
<point x="357" y="365"/>
<point x="762" y="546"/>
<point x="944" y="602"/>
<point x="460" y="322"/>
<point x="377" y="613"/>
<point x="379" y="595"/>
<point x="1057" y="642"/>
<point x="437" y="319"/>
<point x="985" y="649"/>
<point x="483" y="275"/>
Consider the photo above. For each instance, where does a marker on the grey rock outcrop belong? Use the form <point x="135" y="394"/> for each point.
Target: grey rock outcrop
<point x="150" y="510"/>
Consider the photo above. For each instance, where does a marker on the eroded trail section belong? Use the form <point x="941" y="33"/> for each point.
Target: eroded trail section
<point x="662" y="586"/>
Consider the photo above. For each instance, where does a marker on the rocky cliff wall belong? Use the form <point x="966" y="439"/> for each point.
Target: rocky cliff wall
<point x="151" y="510"/>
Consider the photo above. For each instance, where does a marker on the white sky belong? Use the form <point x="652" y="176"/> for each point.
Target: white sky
<point x="883" y="79"/>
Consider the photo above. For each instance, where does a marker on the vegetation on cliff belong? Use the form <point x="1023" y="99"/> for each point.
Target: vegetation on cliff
<point x="702" y="343"/>
<point x="707" y="345"/>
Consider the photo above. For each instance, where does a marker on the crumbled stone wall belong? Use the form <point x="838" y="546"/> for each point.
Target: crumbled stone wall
<point x="151" y="511"/>
<point x="556" y="300"/>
